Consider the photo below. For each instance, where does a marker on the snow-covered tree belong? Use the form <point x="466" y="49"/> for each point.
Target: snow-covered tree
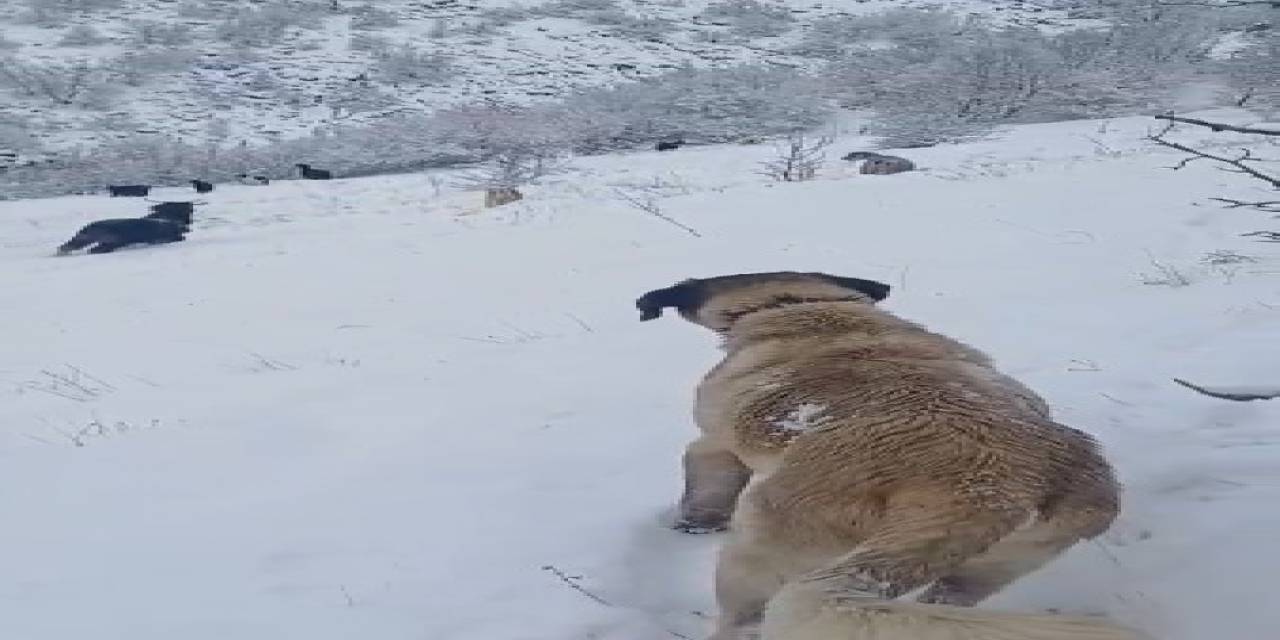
<point x="81" y="35"/>
<point x="409" y="64"/>
<point x="798" y="158"/>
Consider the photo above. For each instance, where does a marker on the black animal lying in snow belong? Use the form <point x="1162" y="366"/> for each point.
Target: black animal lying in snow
<point x="129" y="190"/>
<point x="109" y="235"/>
<point x="314" y="174"/>
<point x="167" y="222"/>
<point x="253" y="181"/>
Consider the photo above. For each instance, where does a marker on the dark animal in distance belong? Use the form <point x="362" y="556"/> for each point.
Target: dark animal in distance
<point x="129" y="190"/>
<point x="879" y="164"/>
<point x="668" y="145"/>
<point x="314" y="174"/>
<point x="861" y="155"/>
<point x="201" y="186"/>
<point x="112" y="234"/>
<point x="253" y="181"/>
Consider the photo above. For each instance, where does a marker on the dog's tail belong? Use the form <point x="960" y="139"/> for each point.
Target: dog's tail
<point x="806" y="611"/>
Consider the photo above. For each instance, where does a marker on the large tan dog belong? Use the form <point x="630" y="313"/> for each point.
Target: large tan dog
<point x="880" y="458"/>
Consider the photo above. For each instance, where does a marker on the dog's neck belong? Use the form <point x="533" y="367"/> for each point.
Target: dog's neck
<point x="801" y="317"/>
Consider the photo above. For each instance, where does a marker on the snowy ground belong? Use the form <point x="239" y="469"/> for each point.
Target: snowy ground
<point x="365" y="409"/>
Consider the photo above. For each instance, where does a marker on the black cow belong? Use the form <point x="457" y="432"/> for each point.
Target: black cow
<point x="314" y="174"/>
<point x="668" y="145"/>
<point x="129" y="190"/>
<point x="253" y="181"/>
<point x="202" y="186"/>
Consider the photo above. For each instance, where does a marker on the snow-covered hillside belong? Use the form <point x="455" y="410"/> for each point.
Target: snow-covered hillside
<point x="368" y="408"/>
<point x="260" y="70"/>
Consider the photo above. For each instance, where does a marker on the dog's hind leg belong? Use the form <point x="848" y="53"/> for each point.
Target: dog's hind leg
<point x="713" y="479"/>
<point x="748" y="574"/>
<point x="908" y="550"/>
<point x="1022" y="552"/>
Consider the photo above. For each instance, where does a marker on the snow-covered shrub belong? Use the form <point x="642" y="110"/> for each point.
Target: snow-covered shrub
<point x="439" y="29"/>
<point x="367" y="17"/>
<point x="15" y="134"/>
<point x="368" y="42"/>
<point x="798" y="158"/>
<point x="703" y="105"/>
<point x="631" y="27"/>
<point x="81" y="35"/>
<point x="407" y="63"/>
<point x="573" y="8"/>
<point x="54" y="13"/>
<point x="936" y="77"/>
<point x="503" y="16"/>
<point x="1253" y="76"/>
<point x="64" y="84"/>
<point x="353" y="98"/>
<point x="151" y="32"/>
<point x="750" y="18"/>
<point x="266" y="24"/>
<point x="137" y="68"/>
<point x="835" y="37"/>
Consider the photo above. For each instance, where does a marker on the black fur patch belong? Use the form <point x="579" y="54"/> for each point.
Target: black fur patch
<point x="109" y="235"/>
<point x="128" y="190"/>
<point x="875" y="290"/>
<point x="686" y="295"/>
<point x="176" y="212"/>
<point x="690" y="295"/>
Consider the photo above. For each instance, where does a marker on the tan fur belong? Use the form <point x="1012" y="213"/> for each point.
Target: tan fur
<point x="795" y="614"/>
<point x="878" y="458"/>
<point x="501" y="196"/>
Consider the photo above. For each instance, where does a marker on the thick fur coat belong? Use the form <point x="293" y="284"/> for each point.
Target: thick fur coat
<point x="856" y="457"/>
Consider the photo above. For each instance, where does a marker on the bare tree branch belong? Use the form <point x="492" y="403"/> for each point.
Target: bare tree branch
<point x="1267" y="236"/>
<point x="1275" y="4"/>
<point x="650" y="206"/>
<point x="1240" y="394"/>
<point x="1218" y="126"/>
<point x="1270" y="206"/>
<point x="1237" y="164"/>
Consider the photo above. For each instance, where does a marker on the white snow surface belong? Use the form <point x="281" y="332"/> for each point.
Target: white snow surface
<point x="366" y="409"/>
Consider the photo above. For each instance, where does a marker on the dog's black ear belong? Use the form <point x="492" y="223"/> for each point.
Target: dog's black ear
<point x="875" y="290"/>
<point x="682" y="296"/>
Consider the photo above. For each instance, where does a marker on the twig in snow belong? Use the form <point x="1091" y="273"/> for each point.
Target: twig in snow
<point x="273" y="365"/>
<point x="650" y="206"/>
<point x="585" y="327"/>
<point x="1266" y="236"/>
<point x="1238" y="394"/>
<point x="1270" y="206"/>
<point x="572" y="583"/>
